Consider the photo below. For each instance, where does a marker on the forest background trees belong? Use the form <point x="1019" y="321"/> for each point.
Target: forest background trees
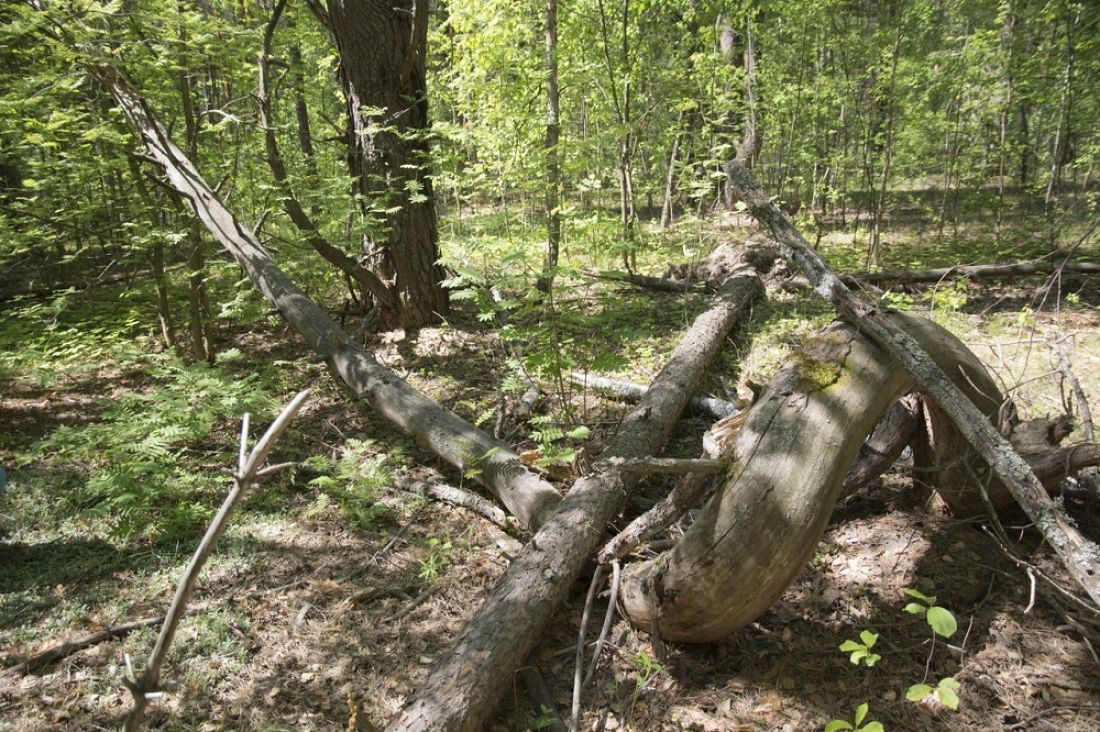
<point x="445" y="199"/>
<point x="932" y="108"/>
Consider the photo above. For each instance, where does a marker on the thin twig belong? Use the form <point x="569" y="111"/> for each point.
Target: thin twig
<point x="578" y="670"/>
<point x="616" y="570"/>
<point x="248" y="465"/>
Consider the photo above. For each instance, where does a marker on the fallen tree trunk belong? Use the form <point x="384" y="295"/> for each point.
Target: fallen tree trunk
<point x="1080" y="556"/>
<point x="629" y="391"/>
<point x="531" y="499"/>
<point x="463" y="687"/>
<point x="788" y="465"/>
<point x="660" y="284"/>
<point x="975" y="271"/>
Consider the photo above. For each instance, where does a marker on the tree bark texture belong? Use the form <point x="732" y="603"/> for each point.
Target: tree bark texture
<point x="464" y="686"/>
<point x="382" y="47"/>
<point x="457" y="442"/>
<point x="1080" y="556"/>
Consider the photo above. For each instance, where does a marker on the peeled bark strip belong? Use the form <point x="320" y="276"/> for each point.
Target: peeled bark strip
<point x="885" y="445"/>
<point x="1080" y="556"/>
<point x="463" y="687"/>
<point x="456" y="441"/>
<point x="977" y="272"/>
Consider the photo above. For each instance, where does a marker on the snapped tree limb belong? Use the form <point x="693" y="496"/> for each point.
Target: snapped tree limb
<point x="530" y="498"/>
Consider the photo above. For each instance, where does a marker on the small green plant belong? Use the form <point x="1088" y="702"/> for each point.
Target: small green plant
<point x="939" y="618"/>
<point x="353" y="480"/>
<point x="856" y="723"/>
<point x="552" y="441"/>
<point x="545" y="719"/>
<point x="139" y="458"/>
<point x="943" y="624"/>
<point x="861" y="651"/>
<point x="438" y="558"/>
<point x="946" y="692"/>
<point x="645" y="668"/>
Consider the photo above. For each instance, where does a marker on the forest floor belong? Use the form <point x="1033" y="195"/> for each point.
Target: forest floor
<point x="324" y="607"/>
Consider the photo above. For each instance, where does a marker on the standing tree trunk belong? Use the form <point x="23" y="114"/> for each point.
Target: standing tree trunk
<point x="553" y="158"/>
<point x="382" y="49"/>
<point x="198" y="302"/>
<point x="874" y="254"/>
<point x="748" y="149"/>
<point x="621" y="103"/>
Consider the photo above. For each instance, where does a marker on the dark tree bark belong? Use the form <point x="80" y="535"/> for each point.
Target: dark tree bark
<point x="382" y="48"/>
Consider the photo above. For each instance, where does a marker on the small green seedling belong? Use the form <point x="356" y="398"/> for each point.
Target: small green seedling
<point x="939" y="618"/>
<point x="861" y="714"/>
<point x="946" y="692"/>
<point x="861" y="652"/>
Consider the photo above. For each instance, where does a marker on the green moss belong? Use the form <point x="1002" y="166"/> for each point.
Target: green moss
<point x="815" y="375"/>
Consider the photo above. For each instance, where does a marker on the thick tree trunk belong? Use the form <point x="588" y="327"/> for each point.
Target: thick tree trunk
<point x="369" y="283"/>
<point x="1080" y="556"/>
<point x="463" y="687"/>
<point x="531" y="499"/>
<point x="382" y="47"/>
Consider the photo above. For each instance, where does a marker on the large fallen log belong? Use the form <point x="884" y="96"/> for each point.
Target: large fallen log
<point x="530" y="498"/>
<point x="789" y="462"/>
<point x="463" y="687"/>
<point x="1080" y="556"/>
<point x="975" y="271"/>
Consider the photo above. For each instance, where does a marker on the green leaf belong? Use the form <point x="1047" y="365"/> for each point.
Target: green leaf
<point x="872" y="727"/>
<point x="942" y="621"/>
<point x="861" y="712"/>
<point x="868" y="638"/>
<point x="918" y="595"/>
<point x="917" y="692"/>
<point x="579" y="433"/>
<point x="947" y="697"/>
<point x="837" y="724"/>
<point x="850" y="645"/>
<point x="915" y="608"/>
